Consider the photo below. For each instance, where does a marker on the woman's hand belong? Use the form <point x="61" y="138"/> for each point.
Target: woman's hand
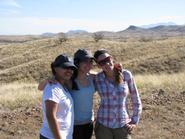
<point x="130" y="127"/>
<point x="118" y="67"/>
<point x="42" y="84"/>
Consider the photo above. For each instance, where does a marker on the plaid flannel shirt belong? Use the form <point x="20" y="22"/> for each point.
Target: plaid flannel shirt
<point x="113" y="110"/>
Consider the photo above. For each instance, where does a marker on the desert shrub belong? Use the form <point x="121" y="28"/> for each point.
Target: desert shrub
<point x="98" y="36"/>
<point x="61" y="38"/>
<point x="146" y="39"/>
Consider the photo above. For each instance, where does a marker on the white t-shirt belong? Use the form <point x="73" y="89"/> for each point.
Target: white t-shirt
<point x="65" y="112"/>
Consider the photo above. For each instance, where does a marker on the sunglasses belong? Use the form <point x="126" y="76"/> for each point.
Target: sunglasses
<point x="104" y="61"/>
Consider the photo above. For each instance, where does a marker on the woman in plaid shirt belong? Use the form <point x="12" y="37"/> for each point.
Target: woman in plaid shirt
<point x="114" y="85"/>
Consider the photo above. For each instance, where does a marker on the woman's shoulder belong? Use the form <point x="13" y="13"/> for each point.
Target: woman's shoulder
<point x="53" y="88"/>
<point x="127" y="74"/>
<point x="126" y="71"/>
<point x="54" y="92"/>
<point x="51" y="85"/>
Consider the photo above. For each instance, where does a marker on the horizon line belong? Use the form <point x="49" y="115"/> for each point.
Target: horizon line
<point x="140" y="26"/>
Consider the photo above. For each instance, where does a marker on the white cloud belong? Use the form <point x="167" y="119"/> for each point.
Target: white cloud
<point x="33" y="25"/>
<point x="8" y="12"/>
<point x="11" y="3"/>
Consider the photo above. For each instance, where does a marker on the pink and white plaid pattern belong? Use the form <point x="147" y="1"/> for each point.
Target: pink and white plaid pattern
<point x="113" y="111"/>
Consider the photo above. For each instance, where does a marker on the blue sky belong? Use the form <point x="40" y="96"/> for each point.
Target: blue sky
<point x="39" y="16"/>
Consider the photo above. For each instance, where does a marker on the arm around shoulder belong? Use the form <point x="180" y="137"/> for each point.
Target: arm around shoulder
<point x="42" y="85"/>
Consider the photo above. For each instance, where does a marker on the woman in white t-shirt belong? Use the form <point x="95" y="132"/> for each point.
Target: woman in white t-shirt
<point x="82" y="90"/>
<point x="57" y="104"/>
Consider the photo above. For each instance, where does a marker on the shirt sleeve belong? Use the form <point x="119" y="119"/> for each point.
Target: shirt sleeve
<point x="52" y="93"/>
<point x="135" y="98"/>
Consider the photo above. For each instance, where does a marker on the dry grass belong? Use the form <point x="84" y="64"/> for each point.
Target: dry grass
<point x="31" y="60"/>
<point x="158" y="66"/>
<point x="16" y="95"/>
<point x="168" y="82"/>
<point x="163" y="98"/>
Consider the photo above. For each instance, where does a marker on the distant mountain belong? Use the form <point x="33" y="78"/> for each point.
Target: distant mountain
<point x="158" y="24"/>
<point x="70" y="32"/>
<point x="154" y="32"/>
<point x="48" y="34"/>
<point x="77" y="33"/>
<point x="132" y="27"/>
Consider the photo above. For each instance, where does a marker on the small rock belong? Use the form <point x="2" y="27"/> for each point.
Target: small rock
<point x="12" y="133"/>
<point x="22" y="122"/>
<point x="28" y="113"/>
<point x="19" y="131"/>
<point x="12" y="122"/>
<point x="161" y="92"/>
<point x="5" y="124"/>
<point x="5" y="116"/>
<point x="183" y="93"/>
<point x="181" y="123"/>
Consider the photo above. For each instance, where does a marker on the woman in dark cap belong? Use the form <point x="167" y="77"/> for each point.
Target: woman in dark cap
<point x="57" y="104"/>
<point x="82" y="90"/>
<point x="82" y="93"/>
<point x="114" y="85"/>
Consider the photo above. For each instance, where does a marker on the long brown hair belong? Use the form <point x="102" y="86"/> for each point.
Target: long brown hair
<point x="117" y="67"/>
<point x="118" y="73"/>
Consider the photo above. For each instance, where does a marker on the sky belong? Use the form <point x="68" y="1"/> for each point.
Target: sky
<point x="20" y="17"/>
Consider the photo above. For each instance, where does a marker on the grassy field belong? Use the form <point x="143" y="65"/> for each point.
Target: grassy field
<point x="31" y="60"/>
<point x="157" y="64"/>
<point x="163" y="98"/>
<point x="16" y="95"/>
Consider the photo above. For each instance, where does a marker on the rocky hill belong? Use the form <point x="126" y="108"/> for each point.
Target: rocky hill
<point x="31" y="60"/>
<point x="156" y="32"/>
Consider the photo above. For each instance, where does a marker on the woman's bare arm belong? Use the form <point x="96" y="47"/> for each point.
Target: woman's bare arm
<point x="42" y="85"/>
<point x="51" y="110"/>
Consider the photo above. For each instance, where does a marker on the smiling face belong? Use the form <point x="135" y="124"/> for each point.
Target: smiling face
<point x="105" y="62"/>
<point x="63" y="73"/>
<point x="86" y="65"/>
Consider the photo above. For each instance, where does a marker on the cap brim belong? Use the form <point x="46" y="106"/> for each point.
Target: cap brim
<point x="103" y="56"/>
<point x="68" y="65"/>
<point x="86" y="57"/>
<point x="91" y="57"/>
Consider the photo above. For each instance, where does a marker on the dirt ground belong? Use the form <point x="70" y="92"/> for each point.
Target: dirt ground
<point x="22" y="123"/>
<point x="162" y="117"/>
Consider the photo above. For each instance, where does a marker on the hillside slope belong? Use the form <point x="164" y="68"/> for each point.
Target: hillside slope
<point x="31" y="60"/>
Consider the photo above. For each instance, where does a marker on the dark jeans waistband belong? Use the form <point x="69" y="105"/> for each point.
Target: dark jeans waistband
<point x="42" y="137"/>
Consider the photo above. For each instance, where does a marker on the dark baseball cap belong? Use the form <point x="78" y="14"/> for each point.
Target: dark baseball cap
<point x="99" y="52"/>
<point x="64" y="61"/>
<point x="83" y="54"/>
